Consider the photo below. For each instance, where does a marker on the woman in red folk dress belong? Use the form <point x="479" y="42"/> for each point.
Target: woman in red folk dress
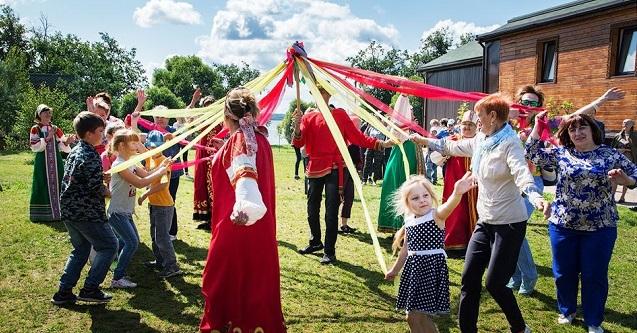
<point x="241" y="280"/>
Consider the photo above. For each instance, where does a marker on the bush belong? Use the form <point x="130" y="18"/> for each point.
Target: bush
<point x="64" y="111"/>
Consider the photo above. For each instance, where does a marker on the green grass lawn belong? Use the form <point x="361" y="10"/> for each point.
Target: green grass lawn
<point x="350" y="296"/>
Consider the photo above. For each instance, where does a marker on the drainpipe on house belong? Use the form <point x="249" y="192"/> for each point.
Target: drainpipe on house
<point x="484" y="67"/>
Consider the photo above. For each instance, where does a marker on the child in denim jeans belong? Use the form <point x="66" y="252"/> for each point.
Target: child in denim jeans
<point x="161" y="206"/>
<point x="83" y="213"/>
<point x="123" y="191"/>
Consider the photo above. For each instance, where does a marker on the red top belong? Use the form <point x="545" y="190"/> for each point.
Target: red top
<point x="320" y="145"/>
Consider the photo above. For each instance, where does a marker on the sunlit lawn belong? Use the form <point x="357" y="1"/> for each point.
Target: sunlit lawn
<point x="350" y="296"/>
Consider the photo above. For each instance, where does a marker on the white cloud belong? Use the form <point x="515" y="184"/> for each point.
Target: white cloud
<point x="157" y="11"/>
<point x="259" y="31"/>
<point x="458" y="28"/>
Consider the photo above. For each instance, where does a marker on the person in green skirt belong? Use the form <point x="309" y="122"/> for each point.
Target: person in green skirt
<point x="46" y="141"/>
<point x="394" y="176"/>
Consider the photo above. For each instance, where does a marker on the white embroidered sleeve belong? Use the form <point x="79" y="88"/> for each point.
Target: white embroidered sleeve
<point x="248" y="200"/>
<point x="38" y="146"/>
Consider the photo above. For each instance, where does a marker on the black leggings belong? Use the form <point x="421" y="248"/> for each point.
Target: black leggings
<point x="299" y="159"/>
<point x="494" y="247"/>
<point x="348" y="195"/>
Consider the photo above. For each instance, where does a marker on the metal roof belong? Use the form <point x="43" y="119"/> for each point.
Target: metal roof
<point x="553" y="14"/>
<point x="464" y="55"/>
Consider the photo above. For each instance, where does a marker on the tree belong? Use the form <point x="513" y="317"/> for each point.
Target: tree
<point x="183" y="73"/>
<point x="64" y="111"/>
<point x="377" y="58"/>
<point x="234" y="76"/>
<point x="161" y="96"/>
<point x="13" y="71"/>
<point x="86" y="68"/>
<point x="12" y="32"/>
<point x="285" y="127"/>
<point x="467" y="37"/>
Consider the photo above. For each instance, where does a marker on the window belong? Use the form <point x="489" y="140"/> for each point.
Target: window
<point x="626" y="51"/>
<point x="493" y="66"/>
<point x="547" y="64"/>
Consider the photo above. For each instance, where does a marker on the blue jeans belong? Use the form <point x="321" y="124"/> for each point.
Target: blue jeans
<point x="587" y="253"/>
<point x="125" y="229"/>
<point x="431" y="169"/>
<point x="525" y="275"/>
<point x="160" y="221"/>
<point x="84" y="235"/>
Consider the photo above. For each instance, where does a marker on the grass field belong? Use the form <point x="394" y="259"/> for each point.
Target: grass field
<point x="350" y="296"/>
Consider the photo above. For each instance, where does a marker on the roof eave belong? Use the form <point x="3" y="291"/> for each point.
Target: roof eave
<point x="450" y="65"/>
<point x="495" y="34"/>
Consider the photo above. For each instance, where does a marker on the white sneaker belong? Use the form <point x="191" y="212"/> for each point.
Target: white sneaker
<point x="123" y="283"/>
<point x="595" y="329"/>
<point x="173" y="238"/>
<point x="565" y="320"/>
<point x="527" y="329"/>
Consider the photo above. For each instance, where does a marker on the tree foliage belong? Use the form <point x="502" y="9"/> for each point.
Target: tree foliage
<point x="285" y="127"/>
<point x="183" y="73"/>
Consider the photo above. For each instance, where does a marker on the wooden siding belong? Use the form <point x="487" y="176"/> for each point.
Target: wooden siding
<point x="583" y="60"/>
<point x="461" y="79"/>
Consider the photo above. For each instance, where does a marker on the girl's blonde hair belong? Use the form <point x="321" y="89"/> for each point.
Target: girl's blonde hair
<point x="123" y="135"/>
<point x="400" y="203"/>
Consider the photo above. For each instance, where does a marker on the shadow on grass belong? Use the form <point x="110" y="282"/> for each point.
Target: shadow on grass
<point x="159" y="297"/>
<point x="104" y="320"/>
<point x="57" y="226"/>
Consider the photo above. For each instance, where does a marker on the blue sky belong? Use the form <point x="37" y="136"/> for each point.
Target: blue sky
<point x="257" y="31"/>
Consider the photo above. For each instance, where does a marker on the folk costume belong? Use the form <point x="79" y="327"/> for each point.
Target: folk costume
<point x="48" y="169"/>
<point x="326" y="169"/>
<point x="241" y="279"/>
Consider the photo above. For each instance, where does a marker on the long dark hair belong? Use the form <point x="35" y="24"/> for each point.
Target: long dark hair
<point x="578" y="120"/>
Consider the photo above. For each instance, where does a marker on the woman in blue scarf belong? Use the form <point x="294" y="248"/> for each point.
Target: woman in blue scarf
<point x="499" y="165"/>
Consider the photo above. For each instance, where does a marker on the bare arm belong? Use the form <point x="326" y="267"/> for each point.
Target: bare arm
<point x="611" y="94"/>
<point x="462" y="186"/>
<point x="398" y="265"/>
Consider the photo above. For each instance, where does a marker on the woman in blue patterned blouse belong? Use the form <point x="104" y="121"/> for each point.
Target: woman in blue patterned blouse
<point x="583" y="217"/>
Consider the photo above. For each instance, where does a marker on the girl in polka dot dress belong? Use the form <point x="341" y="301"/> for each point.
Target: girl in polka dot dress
<point x="424" y="284"/>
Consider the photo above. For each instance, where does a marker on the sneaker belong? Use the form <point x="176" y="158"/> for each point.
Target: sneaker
<point x="63" y="297"/>
<point x="173" y="238"/>
<point x="171" y="273"/>
<point x="327" y="259"/>
<point x="296" y="177"/>
<point x="595" y="329"/>
<point x="565" y="320"/>
<point x="153" y="265"/>
<point x="123" y="283"/>
<point x="345" y="229"/>
<point x="527" y="329"/>
<point x="94" y="296"/>
<point x="311" y="249"/>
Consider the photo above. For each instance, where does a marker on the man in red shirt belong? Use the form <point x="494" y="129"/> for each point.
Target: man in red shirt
<point x="326" y="170"/>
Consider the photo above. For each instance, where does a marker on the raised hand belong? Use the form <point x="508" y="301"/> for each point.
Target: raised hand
<point x="465" y="184"/>
<point x="620" y="177"/>
<point x="614" y="94"/>
<point x="141" y="99"/>
<point x="196" y="96"/>
<point x="90" y="107"/>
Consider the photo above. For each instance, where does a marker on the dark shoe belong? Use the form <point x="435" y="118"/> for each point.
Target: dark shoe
<point x="345" y="229"/>
<point x="296" y="177"/>
<point x="63" y="297"/>
<point x="153" y="265"/>
<point x="170" y="273"/>
<point x="311" y="249"/>
<point x="94" y="296"/>
<point x="634" y="208"/>
<point x="204" y="226"/>
<point x="328" y="259"/>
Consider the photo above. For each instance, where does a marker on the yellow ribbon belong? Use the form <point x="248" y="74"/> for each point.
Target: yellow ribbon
<point x="342" y="147"/>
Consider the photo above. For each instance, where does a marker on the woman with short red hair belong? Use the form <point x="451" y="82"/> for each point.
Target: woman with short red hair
<point x="499" y="165"/>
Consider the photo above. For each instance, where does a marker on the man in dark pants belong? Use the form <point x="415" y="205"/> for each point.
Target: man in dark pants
<point x="325" y="170"/>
